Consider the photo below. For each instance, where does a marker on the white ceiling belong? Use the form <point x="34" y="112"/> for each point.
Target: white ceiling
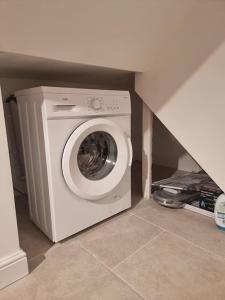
<point x="123" y="34"/>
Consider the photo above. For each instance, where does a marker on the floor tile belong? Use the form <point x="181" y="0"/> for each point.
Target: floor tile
<point x="69" y="272"/>
<point x="114" y="240"/>
<point x="170" y="268"/>
<point x="24" y="289"/>
<point x="196" y="228"/>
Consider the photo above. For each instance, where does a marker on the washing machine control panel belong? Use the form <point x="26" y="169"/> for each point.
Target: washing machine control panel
<point x="107" y="104"/>
<point x="113" y="106"/>
<point x="60" y="106"/>
<point x="95" y="103"/>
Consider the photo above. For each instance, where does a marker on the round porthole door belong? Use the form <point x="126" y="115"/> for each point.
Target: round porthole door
<point x="95" y="158"/>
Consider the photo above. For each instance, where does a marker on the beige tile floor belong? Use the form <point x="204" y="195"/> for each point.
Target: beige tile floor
<point x="148" y="252"/>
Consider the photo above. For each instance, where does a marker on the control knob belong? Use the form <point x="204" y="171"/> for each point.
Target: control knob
<point x="96" y="104"/>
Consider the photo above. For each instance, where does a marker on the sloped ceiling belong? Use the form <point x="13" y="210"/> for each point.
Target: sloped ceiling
<point x="123" y="34"/>
<point x="25" y="66"/>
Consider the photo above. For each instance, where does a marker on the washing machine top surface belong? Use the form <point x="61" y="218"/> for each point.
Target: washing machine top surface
<point x="67" y="90"/>
<point x="72" y="102"/>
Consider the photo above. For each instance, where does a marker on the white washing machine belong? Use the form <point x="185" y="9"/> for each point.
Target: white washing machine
<point x="78" y="156"/>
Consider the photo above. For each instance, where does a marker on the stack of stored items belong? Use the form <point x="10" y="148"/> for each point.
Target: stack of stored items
<point x="174" y="199"/>
<point x="186" y="188"/>
<point x="209" y="192"/>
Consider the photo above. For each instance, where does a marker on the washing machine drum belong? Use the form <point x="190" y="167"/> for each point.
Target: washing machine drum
<point x="95" y="159"/>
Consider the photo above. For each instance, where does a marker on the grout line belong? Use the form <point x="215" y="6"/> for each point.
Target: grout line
<point x="112" y="271"/>
<point x="147" y="221"/>
<point x="129" y="285"/>
<point x="139" y="249"/>
<point x="181" y="237"/>
<point x="95" y="256"/>
<point x="197" y="246"/>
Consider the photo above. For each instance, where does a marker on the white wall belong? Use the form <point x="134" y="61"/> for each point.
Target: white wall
<point x="6" y="196"/>
<point x="193" y="110"/>
<point x="187" y="163"/>
<point x="13" y="263"/>
<point x="122" y="34"/>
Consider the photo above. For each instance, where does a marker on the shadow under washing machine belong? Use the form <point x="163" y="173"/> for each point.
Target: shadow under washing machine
<point x="78" y="156"/>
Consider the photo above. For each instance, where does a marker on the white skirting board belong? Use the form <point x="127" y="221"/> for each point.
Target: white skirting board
<point x="12" y="268"/>
<point x="200" y="211"/>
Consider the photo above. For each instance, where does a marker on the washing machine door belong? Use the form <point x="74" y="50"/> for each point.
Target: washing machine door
<point x="96" y="158"/>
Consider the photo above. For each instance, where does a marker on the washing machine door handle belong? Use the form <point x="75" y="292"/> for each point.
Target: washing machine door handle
<point x="130" y="151"/>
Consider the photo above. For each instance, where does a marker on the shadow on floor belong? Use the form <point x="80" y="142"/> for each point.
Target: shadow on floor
<point x="35" y="243"/>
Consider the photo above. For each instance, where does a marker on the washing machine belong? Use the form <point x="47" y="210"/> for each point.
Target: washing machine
<point x="78" y="155"/>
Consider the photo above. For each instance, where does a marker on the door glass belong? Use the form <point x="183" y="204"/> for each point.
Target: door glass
<point x="97" y="155"/>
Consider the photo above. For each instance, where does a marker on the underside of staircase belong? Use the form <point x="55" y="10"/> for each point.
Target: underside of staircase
<point x="189" y="99"/>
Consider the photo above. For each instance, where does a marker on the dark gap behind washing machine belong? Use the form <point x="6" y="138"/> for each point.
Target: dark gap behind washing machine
<point x="177" y="178"/>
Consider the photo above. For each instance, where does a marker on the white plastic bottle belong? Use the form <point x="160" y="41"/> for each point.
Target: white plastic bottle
<point x="220" y="211"/>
